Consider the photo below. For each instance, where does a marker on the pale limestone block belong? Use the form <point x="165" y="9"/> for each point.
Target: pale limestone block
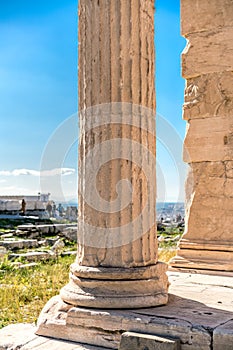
<point x="22" y="336"/>
<point x="201" y="145"/>
<point x="223" y="337"/>
<point x="201" y="244"/>
<point x="210" y="222"/>
<point x="104" y="327"/>
<point x="20" y="244"/>
<point x="203" y="259"/>
<point x="139" y="341"/>
<point x="33" y="256"/>
<point x="209" y="218"/>
<point x="201" y="170"/>
<point x="31" y="205"/>
<point x="208" y="52"/>
<point x="13" y="205"/>
<point x="42" y="343"/>
<point x="203" y="15"/>
<point x="210" y="187"/>
<point x="208" y="205"/>
<point x="209" y="95"/>
<point x="14" y="336"/>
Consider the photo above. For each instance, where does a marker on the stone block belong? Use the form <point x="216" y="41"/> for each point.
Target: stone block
<point x="104" y="327"/>
<point x="209" y="202"/>
<point x="70" y="233"/>
<point x="223" y="337"/>
<point x="205" y="259"/>
<point x="22" y="337"/>
<point x="208" y="52"/>
<point x="20" y="244"/>
<point x="26" y="227"/>
<point x="210" y="224"/>
<point x="45" y="229"/>
<point x="203" y="15"/>
<point x="13" y="205"/>
<point x="32" y="256"/>
<point x="14" y="336"/>
<point x="202" y="244"/>
<point x="31" y="205"/>
<point x="209" y="95"/>
<point x="201" y="145"/>
<point x="133" y="341"/>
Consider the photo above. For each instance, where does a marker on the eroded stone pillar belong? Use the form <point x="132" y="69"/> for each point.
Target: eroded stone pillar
<point x="208" y="68"/>
<point x="117" y="180"/>
<point x="117" y="262"/>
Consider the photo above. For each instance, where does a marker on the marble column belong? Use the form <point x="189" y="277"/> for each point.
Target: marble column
<point x="117" y="179"/>
<point x="117" y="261"/>
<point x="208" y="109"/>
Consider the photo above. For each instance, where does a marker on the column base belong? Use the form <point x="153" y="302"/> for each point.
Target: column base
<point x="199" y="313"/>
<point x="114" y="288"/>
<point x="203" y="255"/>
<point x="102" y="287"/>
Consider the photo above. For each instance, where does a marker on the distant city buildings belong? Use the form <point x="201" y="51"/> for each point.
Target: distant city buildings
<point x="170" y="214"/>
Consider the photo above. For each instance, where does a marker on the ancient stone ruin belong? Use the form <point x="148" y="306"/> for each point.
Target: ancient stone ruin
<point x="117" y="265"/>
<point x="207" y="66"/>
<point x="117" y="296"/>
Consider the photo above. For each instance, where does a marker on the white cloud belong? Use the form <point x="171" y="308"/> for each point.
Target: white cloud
<point x="17" y="172"/>
<point x="14" y="190"/>
<point x="58" y="171"/>
<point x="2" y="180"/>
<point x="52" y="172"/>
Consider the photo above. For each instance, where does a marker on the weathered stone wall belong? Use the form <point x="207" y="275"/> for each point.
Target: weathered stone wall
<point x="207" y="66"/>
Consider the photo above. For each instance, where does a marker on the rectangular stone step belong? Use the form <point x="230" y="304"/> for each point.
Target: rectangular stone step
<point x="22" y="336"/>
<point x="133" y="340"/>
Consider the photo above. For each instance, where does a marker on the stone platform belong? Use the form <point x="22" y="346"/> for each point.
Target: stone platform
<point x="199" y="313"/>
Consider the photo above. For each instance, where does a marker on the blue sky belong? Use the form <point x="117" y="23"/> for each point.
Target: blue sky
<point x="38" y="89"/>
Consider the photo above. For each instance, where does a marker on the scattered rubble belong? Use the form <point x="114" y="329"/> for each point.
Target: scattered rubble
<point x="29" y="244"/>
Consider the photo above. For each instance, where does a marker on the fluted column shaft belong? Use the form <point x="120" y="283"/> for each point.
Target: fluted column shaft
<point x="117" y="261"/>
<point x="116" y="68"/>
